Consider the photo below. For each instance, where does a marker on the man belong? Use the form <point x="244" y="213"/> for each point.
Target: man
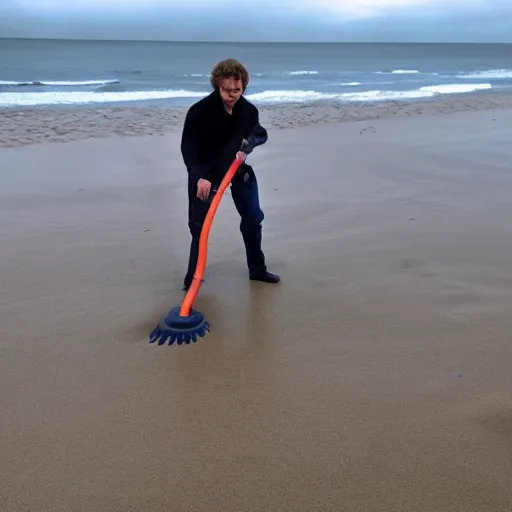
<point x="218" y="128"/>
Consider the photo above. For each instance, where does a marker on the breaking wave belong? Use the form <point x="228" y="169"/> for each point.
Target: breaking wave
<point x="294" y="73"/>
<point x="84" y="97"/>
<point x="375" y="95"/>
<point x="272" y="96"/>
<point x="399" y="72"/>
<point x="57" y="83"/>
<point x="490" y="74"/>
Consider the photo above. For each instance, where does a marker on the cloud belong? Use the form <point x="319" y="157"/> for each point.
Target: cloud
<point x="368" y="9"/>
<point x="255" y="20"/>
<point x="378" y="6"/>
<point x="350" y="8"/>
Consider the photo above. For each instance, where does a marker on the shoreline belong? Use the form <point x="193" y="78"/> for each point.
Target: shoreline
<point x="23" y="126"/>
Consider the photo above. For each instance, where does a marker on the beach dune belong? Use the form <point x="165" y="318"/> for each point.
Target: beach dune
<point x="375" y="377"/>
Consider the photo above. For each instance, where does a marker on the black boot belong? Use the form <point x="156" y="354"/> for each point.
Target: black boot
<point x="264" y="276"/>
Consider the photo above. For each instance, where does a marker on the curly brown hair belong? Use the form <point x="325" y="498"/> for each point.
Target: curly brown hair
<point x="227" y="69"/>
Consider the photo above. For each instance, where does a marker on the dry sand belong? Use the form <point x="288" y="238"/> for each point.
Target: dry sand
<point x="375" y="377"/>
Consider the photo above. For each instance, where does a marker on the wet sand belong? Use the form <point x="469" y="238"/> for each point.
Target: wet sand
<point x="375" y="377"/>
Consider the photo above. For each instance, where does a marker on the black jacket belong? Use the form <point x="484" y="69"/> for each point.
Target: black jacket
<point x="211" y="137"/>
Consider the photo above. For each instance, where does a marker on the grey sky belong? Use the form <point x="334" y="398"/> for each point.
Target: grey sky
<point x="262" y="20"/>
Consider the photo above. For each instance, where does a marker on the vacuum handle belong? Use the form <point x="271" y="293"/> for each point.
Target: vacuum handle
<point x="193" y="290"/>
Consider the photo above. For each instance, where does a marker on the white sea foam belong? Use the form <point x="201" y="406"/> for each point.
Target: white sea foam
<point x="85" y="97"/>
<point x="399" y="72"/>
<point x="350" y="84"/>
<point x="58" y="83"/>
<point x="374" y="95"/>
<point x="291" y="96"/>
<point x="303" y="73"/>
<point x="491" y="74"/>
<point x="300" y="96"/>
<point x="405" y="72"/>
<point x="455" y="88"/>
<point x="13" y="83"/>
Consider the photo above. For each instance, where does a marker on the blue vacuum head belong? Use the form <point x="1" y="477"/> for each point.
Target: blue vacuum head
<point x="180" y="329"/>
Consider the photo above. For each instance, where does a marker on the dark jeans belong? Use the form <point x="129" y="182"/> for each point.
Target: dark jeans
<point x="244" y="191"/>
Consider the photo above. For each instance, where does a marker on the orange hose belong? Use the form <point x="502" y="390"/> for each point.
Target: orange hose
<point x="192" y="292"/>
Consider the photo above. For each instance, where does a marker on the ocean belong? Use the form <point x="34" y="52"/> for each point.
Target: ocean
<point x="73" y="72"/>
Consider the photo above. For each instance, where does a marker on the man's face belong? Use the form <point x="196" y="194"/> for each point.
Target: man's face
<point x="230" y="90"/>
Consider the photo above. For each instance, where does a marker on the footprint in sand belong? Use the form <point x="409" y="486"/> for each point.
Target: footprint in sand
<point x="368" y="128"/>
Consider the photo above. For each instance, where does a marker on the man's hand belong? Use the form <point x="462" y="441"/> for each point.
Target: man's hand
<point x="241" y="155"/>
<point x="203" y="189"/>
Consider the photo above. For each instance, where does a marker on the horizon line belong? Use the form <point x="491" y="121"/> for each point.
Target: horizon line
<point x="190" y="41"/>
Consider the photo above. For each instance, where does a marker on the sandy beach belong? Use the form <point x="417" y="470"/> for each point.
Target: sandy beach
<point x="61" y="123"/>
<point x="375" y="377"/>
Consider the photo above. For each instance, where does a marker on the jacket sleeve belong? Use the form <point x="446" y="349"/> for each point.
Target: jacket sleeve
<point x="258" y="137"/>
<point x="191" y="147"/>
